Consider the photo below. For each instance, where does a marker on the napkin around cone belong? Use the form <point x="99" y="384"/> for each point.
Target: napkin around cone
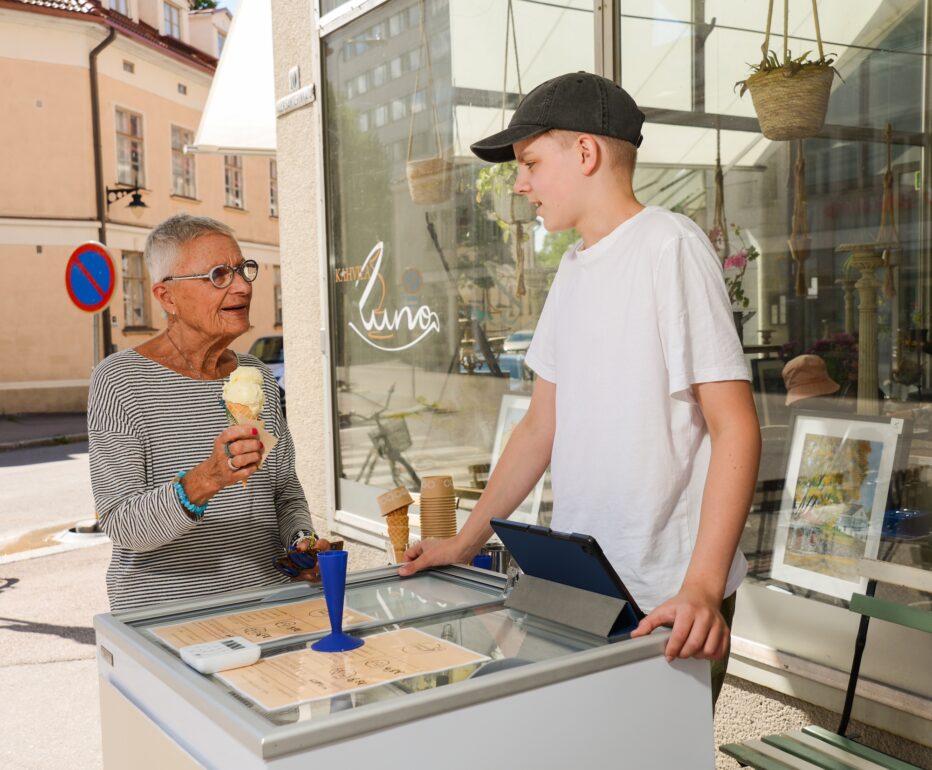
<point x="242" y="417"/>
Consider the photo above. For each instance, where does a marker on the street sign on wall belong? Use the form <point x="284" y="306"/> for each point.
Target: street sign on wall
<point x="90" y="277"/>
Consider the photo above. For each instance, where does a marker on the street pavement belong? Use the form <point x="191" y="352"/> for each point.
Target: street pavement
<point x="49" y="594"/>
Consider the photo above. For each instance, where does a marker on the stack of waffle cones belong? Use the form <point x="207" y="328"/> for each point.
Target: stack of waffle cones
<point x="394" y="507"/>
<point x="438" y="507"/>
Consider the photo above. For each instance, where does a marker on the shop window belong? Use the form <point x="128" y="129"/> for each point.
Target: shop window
<point x="135" y="291"/>
<point x="172" y="19"/>
<point x="273" y="188"/>
<point x="183" y="168"/>
<point x="130" y="149"/>
<point x="450" y="328"/>
<point x="233" y="181"/>
<point x="825" y="497"/>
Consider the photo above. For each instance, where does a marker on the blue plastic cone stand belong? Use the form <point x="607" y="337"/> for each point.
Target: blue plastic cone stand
<point x="333" y="573"/>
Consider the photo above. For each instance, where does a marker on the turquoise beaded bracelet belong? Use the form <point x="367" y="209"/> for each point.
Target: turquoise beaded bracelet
<point x="196" y="510"/>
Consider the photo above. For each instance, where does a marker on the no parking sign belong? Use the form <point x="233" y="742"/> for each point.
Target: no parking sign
<point x="89" y="276"/>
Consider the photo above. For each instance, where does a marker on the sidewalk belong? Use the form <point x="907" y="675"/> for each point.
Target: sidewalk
<point x="26" y="430"/>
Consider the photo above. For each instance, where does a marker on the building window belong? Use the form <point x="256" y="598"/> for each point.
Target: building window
<point x="182" y="89"/>
<point x="129" y="67"/>
<point x="172" y="20"/>
<point x="120" y="6"/>
<point x="221" y="39"/>
<point x="233" y="180"/>
<point x="135" y="291"/>
<point x="278" y="295"/>
<point x="130" y="150"/>
<point x="183" y="180"/>
<point x="273" y="188"/>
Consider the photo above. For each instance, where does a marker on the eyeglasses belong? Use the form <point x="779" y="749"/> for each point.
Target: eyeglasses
<point x="221" y="276"/>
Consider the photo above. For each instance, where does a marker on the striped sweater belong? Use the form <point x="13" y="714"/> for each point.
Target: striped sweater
<point x="146" y="423"/>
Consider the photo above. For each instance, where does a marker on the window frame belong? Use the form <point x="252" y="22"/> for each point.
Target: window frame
<point x="273" y="187"/>
<point x="141" y="176"/>
<point x="238" y="169"/>
<point x="167" y="22"/>
<point x="142" y="280"/>
<point x="186" y="159"/>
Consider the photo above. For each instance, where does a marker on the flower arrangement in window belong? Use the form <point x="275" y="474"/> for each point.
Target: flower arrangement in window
<point x="734" y="263"/>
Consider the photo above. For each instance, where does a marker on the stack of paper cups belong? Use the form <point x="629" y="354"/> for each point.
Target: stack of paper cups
<point x="393" y="506"/>
<point x="438" y="507"/>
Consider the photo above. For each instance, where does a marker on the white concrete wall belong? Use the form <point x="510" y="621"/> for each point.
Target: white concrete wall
<point x="303" y="290"/>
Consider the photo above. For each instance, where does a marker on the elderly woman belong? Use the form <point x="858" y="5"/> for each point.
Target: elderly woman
<point x="165" y="467"/>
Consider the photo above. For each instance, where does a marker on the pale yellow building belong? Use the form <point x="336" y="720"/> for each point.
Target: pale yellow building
<point x="155" y="61"/>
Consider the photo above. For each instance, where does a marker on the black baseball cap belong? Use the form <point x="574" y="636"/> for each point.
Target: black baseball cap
<point x="579" y="101"/>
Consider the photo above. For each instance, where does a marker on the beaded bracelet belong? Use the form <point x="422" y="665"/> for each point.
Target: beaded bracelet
<point x="196" y="510"/>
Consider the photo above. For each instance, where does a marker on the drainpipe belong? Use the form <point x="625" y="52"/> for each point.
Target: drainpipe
<point x="99" y="187"/>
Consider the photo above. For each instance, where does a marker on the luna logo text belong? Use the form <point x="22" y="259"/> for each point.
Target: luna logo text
<point x="381" y="325"/>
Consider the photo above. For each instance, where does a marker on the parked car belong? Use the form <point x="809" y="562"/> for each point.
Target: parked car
<point x="271" y="351"/>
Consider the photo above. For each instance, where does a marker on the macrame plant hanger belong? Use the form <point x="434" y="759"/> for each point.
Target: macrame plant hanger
<point x="718" y="217"/>
<point x="511" y="33"/>
<point x="888" y="235"/>
<point x="800" y="241"/>
<point x="429" y="179"/>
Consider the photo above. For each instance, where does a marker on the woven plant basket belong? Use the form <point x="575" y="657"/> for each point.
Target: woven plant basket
<point x="791" y="106"/>
<point x="430" y="180"/>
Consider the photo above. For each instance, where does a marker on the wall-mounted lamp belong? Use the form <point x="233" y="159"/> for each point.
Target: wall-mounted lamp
<point x="136" y="205"/>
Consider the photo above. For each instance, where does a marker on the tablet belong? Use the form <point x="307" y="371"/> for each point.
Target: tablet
<point x="563" y="557"/>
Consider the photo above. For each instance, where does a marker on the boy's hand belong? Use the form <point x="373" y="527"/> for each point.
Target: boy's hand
<point x="699" y="630"/>
<point x="432" y="553"/>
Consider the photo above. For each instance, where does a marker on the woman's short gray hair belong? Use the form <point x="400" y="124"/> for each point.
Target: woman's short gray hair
<point x="166" y="239"/>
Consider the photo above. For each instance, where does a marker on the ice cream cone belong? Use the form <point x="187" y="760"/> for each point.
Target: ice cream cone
<point x="397" y="521"/>
<point x="244" y="397"/>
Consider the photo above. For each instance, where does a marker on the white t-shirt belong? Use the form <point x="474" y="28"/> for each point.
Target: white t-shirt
<point x="628" y="326"/>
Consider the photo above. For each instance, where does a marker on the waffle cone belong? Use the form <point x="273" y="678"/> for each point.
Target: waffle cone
<point x="398" y="532"/>
<point x="240" y="412"/>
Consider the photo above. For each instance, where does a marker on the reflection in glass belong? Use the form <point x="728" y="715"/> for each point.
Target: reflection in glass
<point x="426" y="275"/>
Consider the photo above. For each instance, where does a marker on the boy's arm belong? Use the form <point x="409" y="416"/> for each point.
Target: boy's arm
<point x="525" y="457"/>
<point x="699" y="629"/>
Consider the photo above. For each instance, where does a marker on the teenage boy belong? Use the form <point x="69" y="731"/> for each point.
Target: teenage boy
<point x="642" y="406"/>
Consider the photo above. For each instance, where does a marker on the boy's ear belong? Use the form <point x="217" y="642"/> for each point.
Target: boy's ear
<point x="589" y="153"/>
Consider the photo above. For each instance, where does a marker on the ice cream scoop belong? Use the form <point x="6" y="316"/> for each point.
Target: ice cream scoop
<point x="244" y="389"/>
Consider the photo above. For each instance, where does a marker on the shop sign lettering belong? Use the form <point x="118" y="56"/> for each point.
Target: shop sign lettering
<point x="381" y="325"/>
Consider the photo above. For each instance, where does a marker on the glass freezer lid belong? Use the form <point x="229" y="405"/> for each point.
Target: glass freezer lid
<point x="299" y="611"/>
<point x="292" y="684"/>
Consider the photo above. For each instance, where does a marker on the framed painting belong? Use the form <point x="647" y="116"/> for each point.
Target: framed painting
<point x="831" y="515"/>
<point x="512" y="409"/>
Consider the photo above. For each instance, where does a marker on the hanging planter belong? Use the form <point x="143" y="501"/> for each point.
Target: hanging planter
<point x="430" y="180"/>
<point x="790" y="96"/>
<point x="507" y="206"/>
<point x="513" y="209"/>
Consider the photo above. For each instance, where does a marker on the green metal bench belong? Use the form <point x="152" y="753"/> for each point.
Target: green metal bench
<point x="815" y="747"/>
